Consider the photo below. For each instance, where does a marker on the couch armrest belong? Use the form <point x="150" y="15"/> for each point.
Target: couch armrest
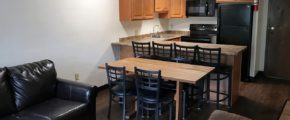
<point x="74" y="91"/>
<point x="70" y="90"/>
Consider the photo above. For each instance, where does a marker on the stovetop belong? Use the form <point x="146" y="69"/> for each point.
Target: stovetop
<point x="201" y="33"/>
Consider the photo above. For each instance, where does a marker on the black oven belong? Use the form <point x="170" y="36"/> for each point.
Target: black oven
<point x="200" y="7"/>
<point x="201" y="33"/>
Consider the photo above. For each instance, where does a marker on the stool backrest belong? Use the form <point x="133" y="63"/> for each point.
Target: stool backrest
<point x="116" y="76"/>
<point x="185" y="54"/>
<point x="147" y="82"/>
<point x="209" y="56"/>
<point x="162" y="51"/>
<point x="141" y="49"/>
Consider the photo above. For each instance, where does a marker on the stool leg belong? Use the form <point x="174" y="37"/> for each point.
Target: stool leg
<point x="138" y="111"/>
<point x="124" y="109"/>
<point x="183" y="104"/>
<point x="200" y="90"/>
<point x="191" y="96"/>
<point x="230" y="91"/>
<point x="157" y="112"/>
<point x="218" y="92"/>
<point x="208" y="87"/>
<point x="110" y="105"/>
<point x="170" y="110"/>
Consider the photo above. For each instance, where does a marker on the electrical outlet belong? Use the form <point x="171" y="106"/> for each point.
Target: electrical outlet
<point x="77" y="76"/>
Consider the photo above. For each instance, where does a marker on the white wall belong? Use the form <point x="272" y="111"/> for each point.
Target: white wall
<point x="263" y="19"/>
<point x="254" y="47"/>
<point x="75" y="34"/>
<point x="259" y="38"/>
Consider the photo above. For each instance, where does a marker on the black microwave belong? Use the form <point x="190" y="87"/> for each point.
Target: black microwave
<point x="200" y="7"/>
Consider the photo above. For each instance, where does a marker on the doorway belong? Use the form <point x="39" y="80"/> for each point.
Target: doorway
<point x="277" y="59"/>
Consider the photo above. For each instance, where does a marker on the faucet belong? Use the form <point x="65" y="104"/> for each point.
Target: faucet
<point x="155" y="33"/>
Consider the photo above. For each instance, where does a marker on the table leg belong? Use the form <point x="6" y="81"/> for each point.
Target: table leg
<point x="177" y="99"/>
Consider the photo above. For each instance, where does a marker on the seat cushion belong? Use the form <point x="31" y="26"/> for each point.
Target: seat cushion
<point x="20" y="116"/>
<point x="222" y="115"/>
<point x="33" y="83"/>
<point x="7" y="105"/>
<point x="57" y="109"/>
<point x="118" y="90"/>
<point x="164" y="95"/>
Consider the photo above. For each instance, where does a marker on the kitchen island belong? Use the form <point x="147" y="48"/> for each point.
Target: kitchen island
<point x="231" y="54"/>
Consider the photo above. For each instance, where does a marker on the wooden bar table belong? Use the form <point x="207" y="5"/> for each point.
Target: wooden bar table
<point x="181" y="73"/>
<point x="231" y="55"/>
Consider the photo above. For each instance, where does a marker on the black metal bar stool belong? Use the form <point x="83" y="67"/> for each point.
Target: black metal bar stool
<point x="142" y="49"/>
<point x="184" y="54"/>
<point x="150" y="96"/>
<point x="212" y="57"/>
<point x="162" y="51"/>
<point x="119" y="87"/>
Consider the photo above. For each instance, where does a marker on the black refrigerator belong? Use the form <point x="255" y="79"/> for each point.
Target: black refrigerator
<point x="235" y="28"/>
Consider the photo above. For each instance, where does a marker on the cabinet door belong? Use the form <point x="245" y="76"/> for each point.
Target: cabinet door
<point x="246" y="1"/>
<point x="148" y="9"/>
<point x="235" y="1"/>
<point x="176" y="8"/>
<point x="137" y="9"/>
<point x="162" y="6"/>
<point x="225" y="1"/>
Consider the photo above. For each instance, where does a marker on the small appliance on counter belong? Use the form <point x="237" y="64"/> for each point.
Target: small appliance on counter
<point x="200" y="8"/>
<point x="203" y="33"/>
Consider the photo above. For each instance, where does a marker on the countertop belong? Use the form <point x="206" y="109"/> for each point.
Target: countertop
<point x="165" y="36"/>
<point x="169" y="35"/>
<point x="225" y="49"/>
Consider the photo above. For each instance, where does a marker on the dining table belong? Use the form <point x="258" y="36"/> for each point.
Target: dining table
<point x="179" y="72"/>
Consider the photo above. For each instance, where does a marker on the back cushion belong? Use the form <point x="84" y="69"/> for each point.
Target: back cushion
<point x="33" y="82"/>
<point x="7" y="105"/>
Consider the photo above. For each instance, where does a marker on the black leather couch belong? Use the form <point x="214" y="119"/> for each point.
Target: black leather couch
<point x="33" y="92"/>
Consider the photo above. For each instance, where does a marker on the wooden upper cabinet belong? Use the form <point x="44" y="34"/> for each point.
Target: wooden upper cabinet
<point x="176" y="10"/>
<point x="136" y="9"/>
<point x="148" y="9"/>
<point x="162" y="6"/>
<point x="235" y="1"/>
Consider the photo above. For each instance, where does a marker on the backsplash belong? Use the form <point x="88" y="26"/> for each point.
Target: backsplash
<point x="183" y="24"/>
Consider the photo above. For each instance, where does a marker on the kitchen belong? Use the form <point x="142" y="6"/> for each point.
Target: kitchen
<point x="81" y="36"/>
<point x="224" y="22"/>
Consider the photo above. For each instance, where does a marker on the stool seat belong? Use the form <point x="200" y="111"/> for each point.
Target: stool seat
<point x="165" y="95"/>
<point x="117" y="90"/>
